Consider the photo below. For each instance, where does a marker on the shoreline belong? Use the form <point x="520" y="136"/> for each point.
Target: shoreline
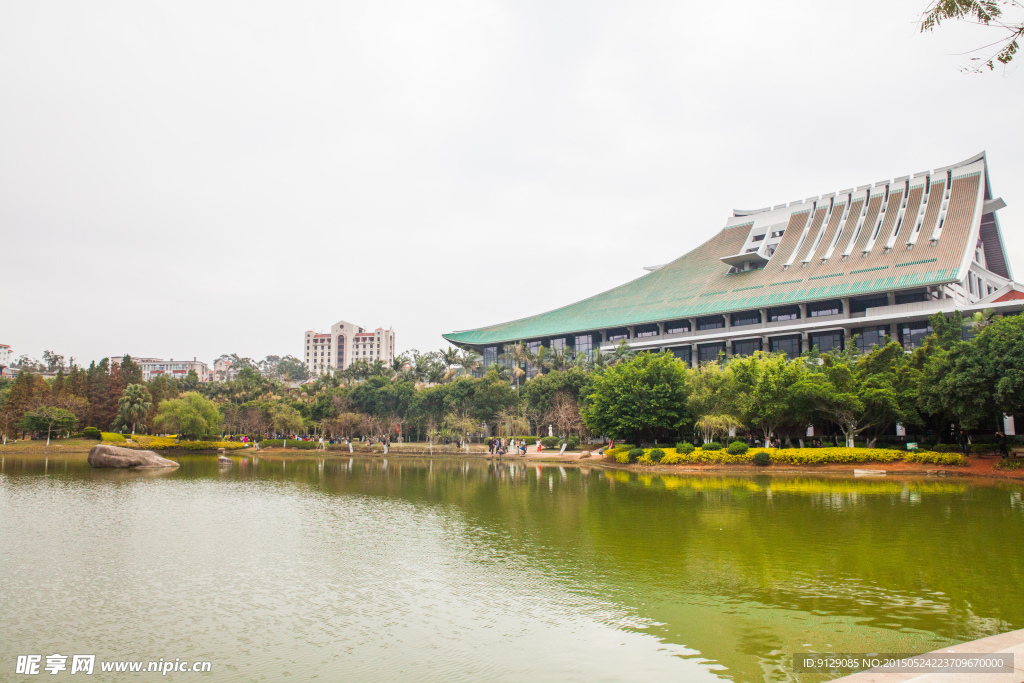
<point x="982" y="467"/>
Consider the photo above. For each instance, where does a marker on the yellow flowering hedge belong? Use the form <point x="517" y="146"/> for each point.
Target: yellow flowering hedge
<point x="112" y="437"/>
<point x="795" y="456"/>
<point x="160" y="443"/>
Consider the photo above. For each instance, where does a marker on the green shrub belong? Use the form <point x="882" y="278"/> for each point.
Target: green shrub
<point x="738" y="447"/>
<point x="684" y="447"/>
<point x="1005" y="464"/>
<point x="672" y="459"/>
<point x="928" y="458"/>
<point x="657" y="455"/>
<point x="550" y="442"/>
<point x="112" y="437"/>
<point x="92" y="433"/>
<point x="573" y="444"/>
<point x="762" y="458"/>
<point x="292" y="443"/>
<point x="635" y="454"/>
<point x="712" y="446"/>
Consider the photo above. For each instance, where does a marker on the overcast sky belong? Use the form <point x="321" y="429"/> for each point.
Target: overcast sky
<point x="184" y="179"/>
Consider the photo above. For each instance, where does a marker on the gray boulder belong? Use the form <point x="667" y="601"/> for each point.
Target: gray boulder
<point x="103" y="455"/>
<point x="224" y="460"/>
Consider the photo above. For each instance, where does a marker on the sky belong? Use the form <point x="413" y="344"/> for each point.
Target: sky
<point x="188" y="179"/>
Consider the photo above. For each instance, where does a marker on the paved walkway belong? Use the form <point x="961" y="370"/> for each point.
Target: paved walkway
<point x="1011" y="642"/>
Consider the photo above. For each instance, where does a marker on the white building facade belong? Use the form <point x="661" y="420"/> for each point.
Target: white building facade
<point x="345" y="344"/>
<point x="173" y="369"/>
<point x="5" y="354"/>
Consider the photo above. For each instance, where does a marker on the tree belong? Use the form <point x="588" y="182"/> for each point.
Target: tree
<point x="49" y="418"/>
<point x="517" y="355"/>
<point x="640" y="400"/>
<point x="988" y="13"/>
<point x="621" y="352"/>
<point x="53" y="361"/>
<point x="193" y="416"/>
<point x="765" y="384"/>
<point x="712" y="394"/>
<point x="134" y="405"/>
<point x="539" y="359"/>
<point x="469" y="361"/>
<point x="131" y="371"/>
<point x="287" y="420"/>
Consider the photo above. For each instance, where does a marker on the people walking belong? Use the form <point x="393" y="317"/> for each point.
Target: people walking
<point x="965" y="443"/>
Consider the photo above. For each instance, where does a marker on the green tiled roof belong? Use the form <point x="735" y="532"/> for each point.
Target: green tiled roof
<point x="699" y="284"/>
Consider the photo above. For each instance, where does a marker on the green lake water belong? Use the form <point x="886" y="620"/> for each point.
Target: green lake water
<point x="341" y="569"/>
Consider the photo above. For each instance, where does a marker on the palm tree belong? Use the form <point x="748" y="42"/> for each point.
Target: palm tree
<point x="449" y="358"/>
<point x="134" y="405"/>
<point x="561" y="358"/>
<point x="518" y="355"/>
<point x="421" y="363"/>
<point x="983" y="318"/>
<point x="622" y="352"/>
<point x="539" y="359"/>
<point x="469" y="361"/>
<point x="597" y="360"/>
<point x="399" y="362"/>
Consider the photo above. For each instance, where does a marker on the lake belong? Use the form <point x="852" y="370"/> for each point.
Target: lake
<point x="463" y="569"/>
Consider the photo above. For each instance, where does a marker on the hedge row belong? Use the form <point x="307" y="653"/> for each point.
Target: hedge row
<point x="789" y="456"/>
<point x="112" y="437"/>
<point x="162" y="443"/>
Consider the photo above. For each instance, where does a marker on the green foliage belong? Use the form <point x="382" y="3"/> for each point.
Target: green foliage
<point x="49" y="420"/>
<point x="1009" y="464"/>
<point x="929" y="458"/>
<point x="193" y="416"/>
<point x="684" y="447"/>
<point x="92" y="433"/>
<point x="738" y="448"/>
<point x="712" y="446"/>
<point x="656" y="454"/>
<point x="163" y="443"/>
<point x="761" y="458"/>
<point x="573" y="443"/>
<point x="640" y="400"/>
<point x="291" y="443"/>
<point x="550" y="442"/>
<point x="635" y="453"/>
<point x="113" y="437"/>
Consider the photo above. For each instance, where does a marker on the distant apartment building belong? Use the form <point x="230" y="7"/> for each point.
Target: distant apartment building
<point x="345" y="344"/>
<point x="5" y="355"/>
<point x="173" y="369"/>
<point x="223" y="370"/>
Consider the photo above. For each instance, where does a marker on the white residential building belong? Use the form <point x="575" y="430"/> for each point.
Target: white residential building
<point x="345" y="344"/>
<point x="5" y="354"/>
<point x="174" y="369"/>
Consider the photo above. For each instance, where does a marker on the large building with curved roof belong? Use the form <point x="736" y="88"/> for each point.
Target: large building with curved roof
<point x="873" y="262"/>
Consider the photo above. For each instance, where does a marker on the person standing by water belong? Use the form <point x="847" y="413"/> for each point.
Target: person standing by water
<point x="1002" y="445"/>
<point x="965" y="443"/>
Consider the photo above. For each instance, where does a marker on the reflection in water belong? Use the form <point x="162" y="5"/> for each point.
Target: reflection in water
<point x="376" y="568"/>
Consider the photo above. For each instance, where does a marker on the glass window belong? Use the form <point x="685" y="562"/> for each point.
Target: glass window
<point x="646" y="330"/>
<point x="819" y="308"/>
<point x="827" y="341"/>
<point x="490" y="355"/>
<point x="746" y="347"/>
<point x="708" y="353"/>
<point x="871" y="337"/>
<point x="713" y="322"/>
<point x="788" y="345"/>
<point x="677" y="327"/>
<point x="913" y="335"/>
<point x="558" y="343"/>
<point x="617" y="334"/>
<point x="683" y="353"/>
<point x="746" y="318"/>
<point x="584" y="344"/>
<point x="863" y="304"/>
<point x="911" y="297"/>
<point x="783" y="313"/>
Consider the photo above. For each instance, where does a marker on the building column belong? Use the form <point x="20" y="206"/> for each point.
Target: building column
<point x="728" y="322"/>
<point x="846" y="306"/>
<point x="765" y="344"/>
<point x="631" y="331"/>
<point x="693" y="324"/>
<point x="891" y="296"/>
<point x="661" y="329"/>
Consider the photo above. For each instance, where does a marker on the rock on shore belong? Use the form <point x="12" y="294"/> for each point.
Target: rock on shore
<point x="103" y="455"/>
